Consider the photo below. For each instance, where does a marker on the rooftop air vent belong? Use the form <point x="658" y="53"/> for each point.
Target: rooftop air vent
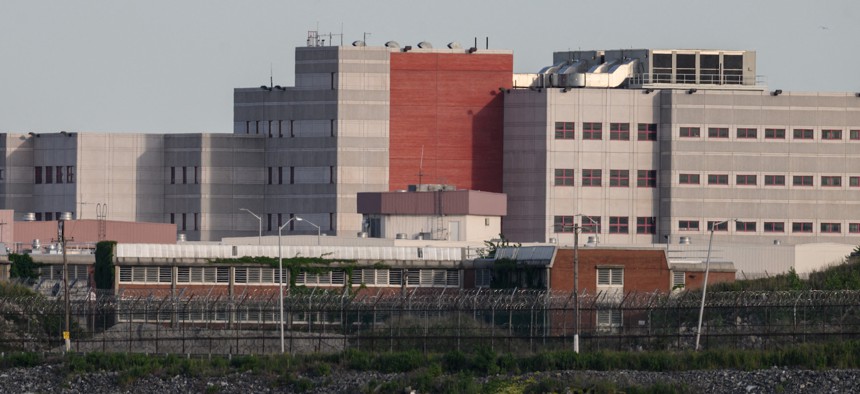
<point x="392" y="44"/>
<point x="454" y="45"/>
<point x="425" y="45"/>
<point x="358" y="43"/>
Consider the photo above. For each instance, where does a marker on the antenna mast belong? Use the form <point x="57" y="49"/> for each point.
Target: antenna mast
<point x="421" y="168"/>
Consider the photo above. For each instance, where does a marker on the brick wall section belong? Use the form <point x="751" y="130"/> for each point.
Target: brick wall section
<point x="694" y="280"/>
<point x="450" y="105"/>
<point x="644" y="270"/>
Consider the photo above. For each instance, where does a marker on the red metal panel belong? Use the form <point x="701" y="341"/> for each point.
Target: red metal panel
<point x="86" y="231"/>
<point x="449" y="105"/>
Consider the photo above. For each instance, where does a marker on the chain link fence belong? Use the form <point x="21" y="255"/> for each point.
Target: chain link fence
<point x="428" y="320"/>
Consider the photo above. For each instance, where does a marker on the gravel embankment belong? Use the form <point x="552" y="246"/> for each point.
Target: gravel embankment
<point x="52" y="379"/>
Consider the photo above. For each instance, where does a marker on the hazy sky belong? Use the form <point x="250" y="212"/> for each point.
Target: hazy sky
<point x="171" y="66"/>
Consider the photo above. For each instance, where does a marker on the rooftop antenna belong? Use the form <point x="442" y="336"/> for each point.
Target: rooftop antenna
<point x="365" y="36"/>
<point x="271" y="77"/>
<point x="421" y="168"/>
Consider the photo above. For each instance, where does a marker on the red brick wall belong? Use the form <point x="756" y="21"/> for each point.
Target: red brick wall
<point x="644" y="270"/>
<point x="694" y="280"/>
<point x="450" y="105"/>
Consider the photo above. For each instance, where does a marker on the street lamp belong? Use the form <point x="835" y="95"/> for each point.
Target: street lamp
<point x="281" y="283"/>
<point x="61" y="234"/>
<point x="705" y="286"/>
<point x="319" y="232"/>
<point x="260" y="228"/>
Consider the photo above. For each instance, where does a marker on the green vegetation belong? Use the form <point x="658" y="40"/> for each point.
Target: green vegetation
<point x="456" y="371"/>
<point x="104" y="268"/>
<point x="23" y="267"/>
<point x="845" y="276"/>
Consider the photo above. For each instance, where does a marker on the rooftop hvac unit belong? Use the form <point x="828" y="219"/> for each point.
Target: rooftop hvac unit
<point x="180" y="237"/>
<point x="684" y="241"/>
<point x="362" y="234"/>
<point x="424" y="236"/>
<point x="402" y="236"/>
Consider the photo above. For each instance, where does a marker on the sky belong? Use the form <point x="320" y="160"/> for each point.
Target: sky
<point x="170" y="66"/>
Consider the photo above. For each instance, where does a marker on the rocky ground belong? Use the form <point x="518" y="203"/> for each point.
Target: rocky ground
<point x="53" y="379"/>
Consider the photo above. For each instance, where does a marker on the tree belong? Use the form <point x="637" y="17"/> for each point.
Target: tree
<point x="493" y="245"/>
<point x="23" y="267"/>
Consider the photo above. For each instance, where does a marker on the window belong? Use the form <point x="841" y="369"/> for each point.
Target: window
<point x="854" y="135"/>
<point x="774" y="180"/>
<point x="70" y="174"/>
<point x="591" y="225"/>
<point x="646" y="225"/>
<point x="618" y="225"/>
<point x="38" y="175"/>
<point x="854" y="228"/>
<point x="722" y="226"/>
<point x="831" y="228"/>
<point x="718" y="132"/>
<point x="564" y="177"/>
<point x="831" y="135"/>
<point x="647" y="132"/>
<point x="646" y="178"/>
<point x="774" y="134"/>
<point x="803" y="134"/>
<point x="748" y="227"/>
<point x="854" y="181"/>
<point x="49" y="174"/>
<point x="802" y="180"/>
<point x="678" y="279"/>
<point x="270" y="169"/>
<point x="801" y="227"/>
<point x="268" y="222"/>
<point x="49" y="216"/>
<point x="563" y="224"/>
<point x="619" y="178"/>
<point x="184" y="226"/>
<point x="592" y="131"/>
<point x="774" y="227"/>
<point x="745" y="180"/>
<point x="610" y="276"/>
<point x="591" y="177"/>
<point x="831" y="181"/>
<point x="564" y="130"/>
<point x="609" y="318"/>
<point x="38" y="216"/>
<point x="172" y="218"/>
<point x="196" y="222"/>
<point x="718" y="179"/>
<point x="619" y="131"/>
<point x="747" y="133"/>
<point x="196" y="180"/>
<point x="483" y="277"/>
<point x="59" y="176"/>
<point x="184" y="175"/>
<point x="688" y="225"/>
<point x="172" y="175"/>
<point x="688" y="179"/>
<point x="690" y="132"/>
<point x="2" y="174"/>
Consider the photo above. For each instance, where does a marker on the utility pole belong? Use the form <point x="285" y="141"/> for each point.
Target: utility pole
<point x="61" y="227"/>
<point x="576" y="286"/>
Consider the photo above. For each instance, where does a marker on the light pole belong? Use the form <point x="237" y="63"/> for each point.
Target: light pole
<point x="705" y="285"/>
<point x="298" y="219"/>
<point x="281" y="283"/>
<point x="596" y="226"/>
<point x="61" y="233"/>
<point x="260" y="228"/>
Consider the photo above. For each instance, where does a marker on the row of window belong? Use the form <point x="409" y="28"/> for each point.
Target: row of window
<point x="771" y="227"/>
<point x="265" y="276"/>
<point x="183" y="224"/>
<point x="49" y="216"/>
<point x="54" y="174"/>
<point x="769" y="180"/>
<point x="185" y="174"/>
<point x="617" y="225"/>
<point x="769" y="133"/>
<point x="594" y="177"/>
<point x="606" y="277"/>
<point x="617" y="131"/>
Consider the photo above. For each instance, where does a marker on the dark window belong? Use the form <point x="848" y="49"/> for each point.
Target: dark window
<point x="618" y="225"/>
<point x="854" y="181"/>
<point x="774" y="227"/>
<point x="801" y="227"/>
<point x="688" y="225"/>
<point x="803" y="134"/>
<point x="774" y="134"/>
<point x="563" y="224"/>
<point x="270" y="169"/>
<point x="685" y="68"/>
<point x="591" y="224"/>
<point x="49" y="174"/>
<point x="733" y="69"/>
<point x="646" y="225"/>
<point x="745" y="180"/>
<point x="688" y="179"/>
<point x="854" y="228"/>
<point x="774" y="180"/>
<point x="690" y="132"/>
<point x="718" y="179"/>
<point x="196" y="178"/>
<point x="184" y="176"/>
<point x="172" y="175"/>
<point x="564" y="130"/>
<point x="831" y="135"/>
<point x="619" y="131"/>
<point x="280" y="175"/>
<point x="592" y="131"/>
<point x="662" y="67"/>
<point x="647" y="132"/>
<point x="747" y="133"/>
<point x="268" y="222"/>
<point x="802" y="180"/>
<point x="70" y="174"/>
<point x="619" y="178"/>
<point x="646" y="178"/>
<point x="745" y="226"/>
<point x="172" y="218"/>
<point x="38" y="175"/>
<point x="718" y="132"/>
<point x="854" y="135"/>
<point x="831" y="228"/>
<point x="196" y="225"/>
<point x="184" y="226"/>
<point x="831" y="181"/>
<point x="59" y="176"/>
<point x="38" y="216"/>
<point x="722" y="226"/>
<point x="49" y="216"/>
<point x="591" y="177"/>
<point x="564" y="177"/>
